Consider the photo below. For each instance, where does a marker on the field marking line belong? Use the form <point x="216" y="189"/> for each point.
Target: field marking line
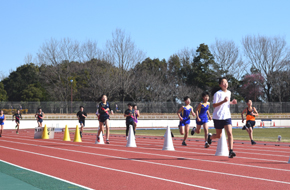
<point x="107" y="168"/>
<point x="46" y="175"/>
<point x="169" y="156"/>
<point x="157" y="163"/>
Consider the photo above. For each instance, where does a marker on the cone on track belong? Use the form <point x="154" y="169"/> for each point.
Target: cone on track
<point x="222" y="147"/>
<point x="274" y="125"/>
<point x="66" y="136"/>
<point x="260" y="124"/>
<point x="131" y="139"/>
<point x="263" y="124"/>
<point x="101" y="139"/>
<point x="168" y="144"/>
<point x="237" y="124"/>
<point x="45" y="133"/>
<point x="77" y="135"/>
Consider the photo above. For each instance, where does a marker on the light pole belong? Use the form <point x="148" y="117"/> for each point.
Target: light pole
<point x="255" y="82"/>
<point x="71" y="96"/>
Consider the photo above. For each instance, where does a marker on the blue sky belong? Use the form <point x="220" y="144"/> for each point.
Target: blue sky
<point x="159" y="28"/>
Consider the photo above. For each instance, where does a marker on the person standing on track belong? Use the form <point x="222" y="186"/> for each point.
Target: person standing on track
<point x="136" y="115"/>
<point x="202" y="116"/>
<point x="184" y="116"/>
<point x="39" y="116"/>
<point x="130" y="115"/>
<point x="2" y="120"/>
<point x="17" y="116"/>
<point x="81" y="117"/>
<point x="104" y="109"/>
<point x="251" y="113"/>
<point x="222" y="115"/>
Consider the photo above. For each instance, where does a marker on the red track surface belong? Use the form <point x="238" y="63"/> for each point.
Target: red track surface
<point x="115" y="166"/>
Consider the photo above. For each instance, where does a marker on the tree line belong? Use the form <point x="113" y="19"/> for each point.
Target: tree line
<point x="259" y="70"/>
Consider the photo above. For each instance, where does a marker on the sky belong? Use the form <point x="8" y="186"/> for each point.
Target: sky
<point x="158" y="27"/>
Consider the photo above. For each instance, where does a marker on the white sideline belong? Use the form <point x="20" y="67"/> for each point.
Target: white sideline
<point x="168" y="165"/>
<point x="107" y="168"/>
<point x="46" y="175"/>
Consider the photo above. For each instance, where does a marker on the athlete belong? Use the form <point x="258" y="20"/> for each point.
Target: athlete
<point x="136" y="115"/>
<point x="184" y="117"/>
<point x="130" y="115"/>
<point x="39" y="117"/>
<point x="81" y="117"/>
<point x="222" y="115"/>
<point x="202" y="116"/>
<point x="17" y="116"/>
<point x="104" y="109"/>
<point x="251" y="113"/>
<point x="2" y="120"/>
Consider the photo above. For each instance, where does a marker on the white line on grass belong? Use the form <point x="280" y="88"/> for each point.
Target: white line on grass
<point x="46" y="175"/>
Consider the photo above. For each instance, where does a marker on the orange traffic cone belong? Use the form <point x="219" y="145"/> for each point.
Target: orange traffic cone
<point x="274" y="124"/>
<point x="237" y="124"/>
<point x="260" y="124"/>
<point x="263" y="124"/>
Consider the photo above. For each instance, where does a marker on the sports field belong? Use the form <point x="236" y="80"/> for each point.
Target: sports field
<point x="55" y="164"/>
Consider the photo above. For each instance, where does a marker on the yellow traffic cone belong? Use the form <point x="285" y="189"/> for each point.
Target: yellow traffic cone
<point x="45" y="133"/>
<point x="66" y="136"/>
<point x="77" y="135"/>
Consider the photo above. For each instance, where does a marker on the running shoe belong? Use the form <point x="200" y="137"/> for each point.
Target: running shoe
<point x="208" y="138"/>
<point x="193" y="130"/>
<point x="98" y="139"/>
<point x="15" y="126"/>
<point x="206" y="145"/>
<point x="107" y="142"/>
<point x="253" y="142"/>
<point x="126" y="137"/>
<point x="172" y="134"/>
<point x="81" y="134"/>
<point x="183" y="143"/>
<point x="232" y="154"/>
<point x="17" y="132"/>
<point x="244" y="127"/>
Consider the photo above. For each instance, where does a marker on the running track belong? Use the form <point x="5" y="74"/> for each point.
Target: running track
<point x="115" y="166"/>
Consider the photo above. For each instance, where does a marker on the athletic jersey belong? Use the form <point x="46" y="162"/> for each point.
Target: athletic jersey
<point x="222" y="112"/>
<point x="2" y="120"/>
<point x="39" y="115"/>
<point x="131" y="117"/>
<point x="185" y="113"/>
<point x="202" y="112"/>
<point x="249" y="115"/>
<point x="135" y="116"/>
<point x="80" y="115"/>
<point x="103" y="107"/>
<point x="17" y="116"/>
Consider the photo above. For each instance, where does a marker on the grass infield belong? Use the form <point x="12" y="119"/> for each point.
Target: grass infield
<point x="260" y="134"/>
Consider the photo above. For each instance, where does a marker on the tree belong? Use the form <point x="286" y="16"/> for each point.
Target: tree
<point x="3" y="93"/>
<point x="31" y="93"/>
<point x="227" y="56"/>
<point x="268" y="55"/>
<point x="122" y="52"/>
<point x="19" y="80"/>
<point x="204" y="69"/>
<point x="252" y="87"/>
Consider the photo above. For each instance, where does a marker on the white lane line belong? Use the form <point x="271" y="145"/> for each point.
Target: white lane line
<point x="163" y="155"/>
<point x="46" y="175"/>
<point x="107" y="168"/>
<point x="190" y="152"/>
<point x="167" y="165"/>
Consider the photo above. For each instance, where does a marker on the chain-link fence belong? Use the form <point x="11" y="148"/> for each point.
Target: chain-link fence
<point x="120" y="107"/>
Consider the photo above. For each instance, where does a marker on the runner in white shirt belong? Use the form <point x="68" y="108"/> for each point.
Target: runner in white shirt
<point x="222" y="115"/>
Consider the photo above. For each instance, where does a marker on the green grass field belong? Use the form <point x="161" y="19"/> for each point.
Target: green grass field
<point x="260" y="134"/>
